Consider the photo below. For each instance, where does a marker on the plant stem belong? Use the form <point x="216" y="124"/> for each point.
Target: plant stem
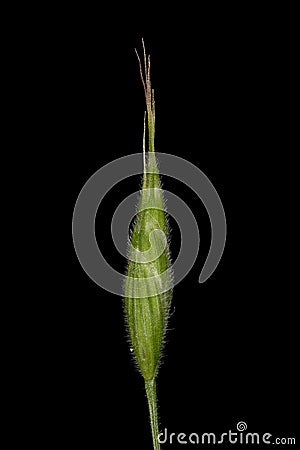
<point x="150" y="386"/>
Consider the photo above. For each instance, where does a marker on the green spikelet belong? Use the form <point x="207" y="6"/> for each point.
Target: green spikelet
<point x="148" y="287"/>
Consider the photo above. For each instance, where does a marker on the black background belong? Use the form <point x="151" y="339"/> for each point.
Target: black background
<point x="224" y="87"/>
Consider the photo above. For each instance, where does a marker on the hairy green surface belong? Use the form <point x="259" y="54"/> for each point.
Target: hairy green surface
<point x="147" y="316"/>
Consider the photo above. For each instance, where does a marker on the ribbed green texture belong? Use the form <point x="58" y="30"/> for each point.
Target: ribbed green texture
<point x="147" y="316"/>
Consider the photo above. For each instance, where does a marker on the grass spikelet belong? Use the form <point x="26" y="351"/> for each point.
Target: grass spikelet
<point x="148" y="286"/>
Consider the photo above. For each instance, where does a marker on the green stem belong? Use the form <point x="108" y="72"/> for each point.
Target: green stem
<point x="152" y="403"/>
<point x="150" y="129"/>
